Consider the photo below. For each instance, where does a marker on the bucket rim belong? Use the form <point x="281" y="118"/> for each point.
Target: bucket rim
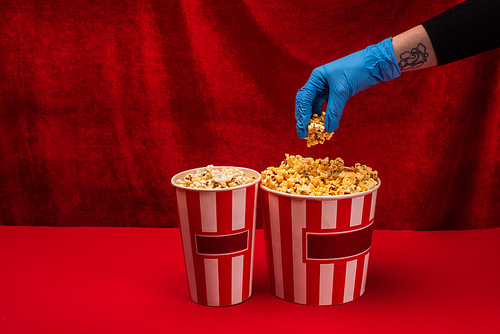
<point x="188" y="171"/>
<point x="323" y="197"/>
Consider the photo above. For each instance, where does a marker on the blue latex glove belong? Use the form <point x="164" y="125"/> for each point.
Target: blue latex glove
<point x="339" y="80"/>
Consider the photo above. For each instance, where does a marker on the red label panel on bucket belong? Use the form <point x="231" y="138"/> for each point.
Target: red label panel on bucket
<point x="222" y="244"/>
<point x="330" y="246"/>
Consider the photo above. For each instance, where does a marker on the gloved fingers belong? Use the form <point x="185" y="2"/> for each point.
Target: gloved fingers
<point x="334" y="109"/>
<point x="303" y="109"/>
<point x="306" y="101"/>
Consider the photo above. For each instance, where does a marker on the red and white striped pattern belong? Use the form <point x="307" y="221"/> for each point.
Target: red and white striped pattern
<point x="294" y="277"/>
<point x="218" y="279"/>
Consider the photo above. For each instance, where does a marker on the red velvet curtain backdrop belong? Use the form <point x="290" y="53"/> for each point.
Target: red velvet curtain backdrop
<point x="101" y="103"/>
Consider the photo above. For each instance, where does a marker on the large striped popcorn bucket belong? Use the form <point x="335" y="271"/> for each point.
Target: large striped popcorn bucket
<point x="318" y="246"/>
<point x="217" y="229"/>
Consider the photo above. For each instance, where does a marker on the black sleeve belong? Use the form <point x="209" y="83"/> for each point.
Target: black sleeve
<point x="465" y="30"/>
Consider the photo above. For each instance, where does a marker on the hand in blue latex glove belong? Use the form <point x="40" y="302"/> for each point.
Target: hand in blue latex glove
<point x="340" y="80"/>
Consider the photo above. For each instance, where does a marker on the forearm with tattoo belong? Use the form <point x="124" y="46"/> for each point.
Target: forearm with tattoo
<point x="413" y="50"/>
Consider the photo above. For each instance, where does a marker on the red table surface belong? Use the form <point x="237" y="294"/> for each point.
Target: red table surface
<point x="118" y="280"/>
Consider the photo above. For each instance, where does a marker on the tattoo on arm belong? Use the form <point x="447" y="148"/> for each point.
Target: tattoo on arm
<point x="414" y="58"/>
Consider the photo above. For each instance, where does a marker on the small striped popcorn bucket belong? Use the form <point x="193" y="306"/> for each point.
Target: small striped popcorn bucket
<point x="217" y="228"/>
<point x="318" y="246"/>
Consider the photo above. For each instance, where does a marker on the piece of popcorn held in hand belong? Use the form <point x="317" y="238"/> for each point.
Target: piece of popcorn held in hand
<point x="317" y="131"/>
